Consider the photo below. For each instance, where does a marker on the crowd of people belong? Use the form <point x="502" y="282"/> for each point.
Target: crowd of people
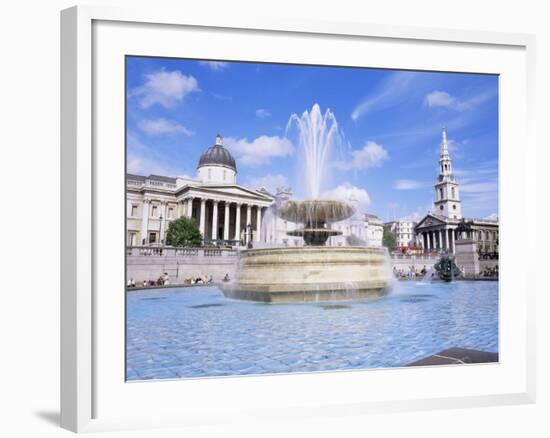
<point x="490" y="271"/>
<point x="409" y="273"/>
<point x="164" y="280"/>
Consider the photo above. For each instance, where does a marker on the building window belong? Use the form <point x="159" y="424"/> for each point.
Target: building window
<point x="154" y="211"/>
<point x="441" y="193"/>
<point x="453" y="192"/>
<point x="441" y="207"/>
<point x="170" y="213"/>
<point x="134" y="210"/>
<point x="152" y="237"/>
<point x="454" y="207"/>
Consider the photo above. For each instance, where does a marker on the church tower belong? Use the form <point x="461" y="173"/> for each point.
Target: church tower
<point x="447" y="196"/>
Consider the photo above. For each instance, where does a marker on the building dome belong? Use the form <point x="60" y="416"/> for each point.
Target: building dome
<point x="217" y="165"/>
<point x="217" y="155"/>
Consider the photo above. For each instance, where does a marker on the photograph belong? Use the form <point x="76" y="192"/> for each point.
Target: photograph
<point x="294" y="218"/>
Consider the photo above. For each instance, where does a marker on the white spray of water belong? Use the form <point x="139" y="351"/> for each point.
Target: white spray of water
<point x="318" y="135"/>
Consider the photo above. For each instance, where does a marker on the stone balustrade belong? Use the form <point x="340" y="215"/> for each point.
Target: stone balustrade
<point x="169" y="251"/>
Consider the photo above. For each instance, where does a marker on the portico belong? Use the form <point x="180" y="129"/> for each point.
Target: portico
<point x="219" y="218"/>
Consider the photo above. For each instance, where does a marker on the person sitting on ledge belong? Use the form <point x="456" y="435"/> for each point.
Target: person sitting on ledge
<point x="226" y="278"/>
<point x="144" y="283"/>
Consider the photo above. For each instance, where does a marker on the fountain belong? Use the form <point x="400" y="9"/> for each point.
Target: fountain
<point x="314" y="271"/>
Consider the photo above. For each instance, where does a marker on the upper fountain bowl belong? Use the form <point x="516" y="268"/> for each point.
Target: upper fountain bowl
<point x="315" y="212"/>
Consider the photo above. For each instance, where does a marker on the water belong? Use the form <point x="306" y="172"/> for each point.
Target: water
<point x="318" y="136"/>
<point x="197" y="332"/>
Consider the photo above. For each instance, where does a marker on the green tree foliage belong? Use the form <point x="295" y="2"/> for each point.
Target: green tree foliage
<point x="183" y="232"/>
<point x="388" y="239"/>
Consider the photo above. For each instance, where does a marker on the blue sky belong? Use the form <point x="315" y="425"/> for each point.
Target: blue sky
<point x="390" y="123"/>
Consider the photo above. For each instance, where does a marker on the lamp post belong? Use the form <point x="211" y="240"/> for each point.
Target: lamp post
<point x="161" y="237"/>
<point x="249" y="236"/>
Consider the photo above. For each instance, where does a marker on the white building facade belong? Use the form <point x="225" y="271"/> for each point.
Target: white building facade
<point x="403" y="230"/>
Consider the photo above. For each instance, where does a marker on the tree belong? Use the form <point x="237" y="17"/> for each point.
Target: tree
<point x="183" y="232"/>
<point x="388" y="239"/>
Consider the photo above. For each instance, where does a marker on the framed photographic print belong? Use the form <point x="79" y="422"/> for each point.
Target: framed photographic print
<point x="253" y="209"/>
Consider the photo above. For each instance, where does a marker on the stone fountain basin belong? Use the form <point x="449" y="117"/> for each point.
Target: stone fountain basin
<point x="283" y="275"/>
<point x="315" y="211"/>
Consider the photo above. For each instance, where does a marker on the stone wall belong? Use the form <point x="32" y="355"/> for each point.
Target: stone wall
<point x="145" y="264"/>
<point x="404" y="262"/>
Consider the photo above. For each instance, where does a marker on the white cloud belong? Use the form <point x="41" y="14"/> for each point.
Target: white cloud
<point x="262" y="113"/>
<point x="370" y="155"/>
<point x="260" y="150"/>
<point x="166" y="88"/>
<point x="349" y="193"/>
<point x="479" y="187"/>
<point x="214" y="65"/>
<point x="439" y="98"/>
<point x="391" y="91"/>
<point x="492" y="217"/>
<point x="269" y="182"/>
<point x="443" y="99"/>
<point x="163" y="126"/>
<point x="407" y="184"/>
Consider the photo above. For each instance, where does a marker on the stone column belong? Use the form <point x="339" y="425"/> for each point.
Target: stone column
<point x="258" y="222"/>
<point x="202" y="216"/>
<point x="189" y="207"/>
<point x="248" y="214"/>
<point x="145" y="222"/>
<point x="452" y="246"/>
<point x="238" y="223"/>
<point x="446" y="240"/>
<point x="163" y="212"/>
<point x="248" y="228"/>
<point x="226" y="222"/>
<point x="215" y="221"/>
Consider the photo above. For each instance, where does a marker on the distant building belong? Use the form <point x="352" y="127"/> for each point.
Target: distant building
<point x="440" y="229"/>
<point x="403" y="230"/>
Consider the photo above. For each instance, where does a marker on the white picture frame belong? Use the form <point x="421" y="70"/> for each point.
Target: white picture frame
<point x="85" y="319"/>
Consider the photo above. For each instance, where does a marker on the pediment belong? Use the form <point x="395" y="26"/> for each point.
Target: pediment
<point x="231" y="190"/>
<point x="430" y="221"/>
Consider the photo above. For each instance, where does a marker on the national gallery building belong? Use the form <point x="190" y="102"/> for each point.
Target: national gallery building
<point x="440" y="229"/>
<point x="224" y="210"/>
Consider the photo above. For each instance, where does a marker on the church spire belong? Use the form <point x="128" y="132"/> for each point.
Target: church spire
<point x="444" y="145"/>
<point x="447" y="197"/>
